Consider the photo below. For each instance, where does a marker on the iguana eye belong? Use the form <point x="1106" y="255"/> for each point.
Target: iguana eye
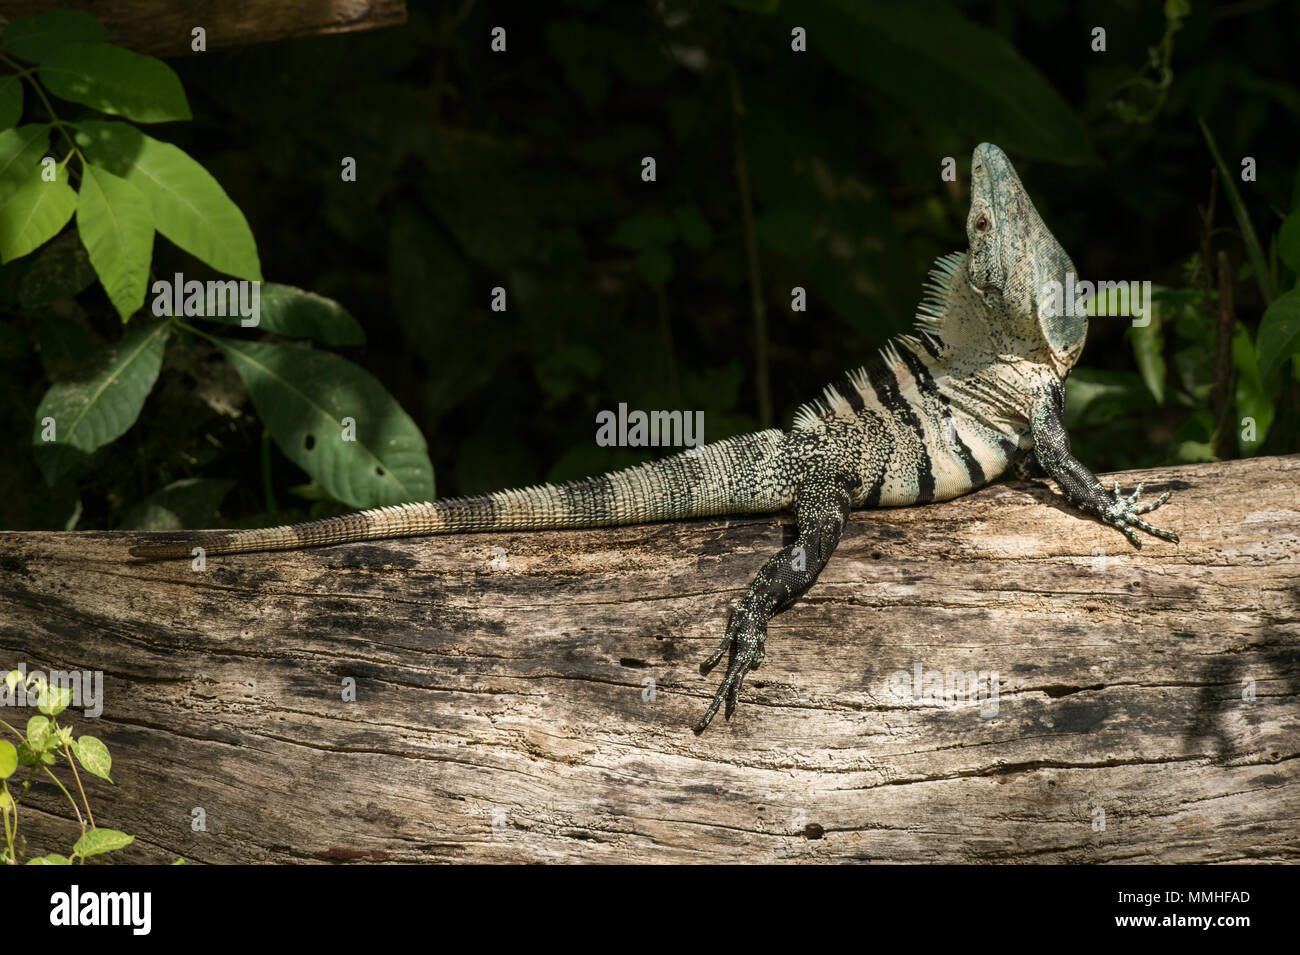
<point x="982" y="223"/>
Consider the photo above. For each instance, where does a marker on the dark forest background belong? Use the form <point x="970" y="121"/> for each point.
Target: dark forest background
<point x="522" y="169"/>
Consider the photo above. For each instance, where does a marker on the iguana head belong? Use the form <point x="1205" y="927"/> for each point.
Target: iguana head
<point x="1014" y="260"/>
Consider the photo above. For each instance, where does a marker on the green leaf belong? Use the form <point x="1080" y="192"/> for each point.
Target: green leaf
<point x="655" y="265"/>
<point x="303" y="396"/>
<point x="117" y="229"/>
<point x="38" y="733"/>
<point x="1148" y="349"/>
<point x="34" y="213"/>
<point x="949" y="72"/>
<point x="8" y="758"/>
<point x="648" y="231"/>
<point x="693" y="227"/>
<point x="1094" y="396"/>
<point x="187" y="503"/>
<point x="1248" y="237"/>
<point x="294" y="313"/>
<point x="499" y="241"/>
<point x="189" y="207"/>
<point x="21" y="150"/>
<point x="52" y="859"/>
<point x="11" y="100"/>
<point x="35" y="37"/>
<point x="53" y="700"/>
<point x="1253" y="399"/>
<point x="98" y="841"/>
<point x="1279" y="334"/>
<point x="58" y="270"/>
<point x="1194" y="452"/>
<point x="92" y="410"/>
<point x="117" y="81"/>
<point x="1288" y="241"/>
<point x="93" y="756"/>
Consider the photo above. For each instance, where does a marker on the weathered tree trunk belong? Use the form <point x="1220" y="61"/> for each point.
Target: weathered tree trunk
<point x="164" y="27"/>
<point x="1146" y="702"/>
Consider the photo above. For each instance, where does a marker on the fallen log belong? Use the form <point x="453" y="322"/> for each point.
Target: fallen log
<point x="166" y="27"/>
<point x="528" y="697"/>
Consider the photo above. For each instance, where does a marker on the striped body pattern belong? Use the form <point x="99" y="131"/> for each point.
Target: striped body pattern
<point x="735" y="476"/>
<point x="942" y="412"/>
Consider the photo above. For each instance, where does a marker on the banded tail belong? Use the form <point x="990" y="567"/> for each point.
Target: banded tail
<point x="734" y="476"/>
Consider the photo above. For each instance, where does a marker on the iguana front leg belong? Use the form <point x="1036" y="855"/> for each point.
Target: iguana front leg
<point x="821" y="511"/>
<point x="1052" y="448"/>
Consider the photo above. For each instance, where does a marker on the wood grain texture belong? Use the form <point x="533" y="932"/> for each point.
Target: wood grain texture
<point x="163" y="27"/>
<point x="501" y="714"/>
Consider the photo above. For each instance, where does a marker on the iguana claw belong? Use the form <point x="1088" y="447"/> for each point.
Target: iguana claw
<point x="1123" y="514"/>
<point x="746" y="637"/>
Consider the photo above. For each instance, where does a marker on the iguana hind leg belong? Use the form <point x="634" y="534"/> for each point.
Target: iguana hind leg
<point x="821" y="511"/>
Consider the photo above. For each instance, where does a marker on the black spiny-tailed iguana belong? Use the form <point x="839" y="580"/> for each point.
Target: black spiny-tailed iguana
<point x="977" y="389"/>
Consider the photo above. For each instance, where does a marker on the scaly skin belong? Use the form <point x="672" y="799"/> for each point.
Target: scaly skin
<point x="976" y="391"/>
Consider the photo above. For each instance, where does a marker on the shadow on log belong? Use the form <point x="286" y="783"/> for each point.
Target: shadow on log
<point x="539" y="710"/>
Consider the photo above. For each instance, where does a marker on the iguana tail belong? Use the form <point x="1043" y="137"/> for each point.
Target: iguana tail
<point x="735" y="476"/>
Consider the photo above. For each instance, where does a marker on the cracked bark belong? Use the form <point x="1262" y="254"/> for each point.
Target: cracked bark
<point x="502" y="715"/>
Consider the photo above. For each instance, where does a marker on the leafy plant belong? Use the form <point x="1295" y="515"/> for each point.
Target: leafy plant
<point x="39" y="748"/>
<point x="327" y="415"/>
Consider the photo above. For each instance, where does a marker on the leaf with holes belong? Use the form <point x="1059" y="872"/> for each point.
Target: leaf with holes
<point x="303" y="396"/>
<point x="189" y="207"/>
<point x="117" y="81"/>
<point x="90" y="411"/>
<point x="34" y="213"/>
<point x="116" y="228"/>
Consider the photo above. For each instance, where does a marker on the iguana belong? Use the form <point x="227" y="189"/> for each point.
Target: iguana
<point x="976" y="390"/>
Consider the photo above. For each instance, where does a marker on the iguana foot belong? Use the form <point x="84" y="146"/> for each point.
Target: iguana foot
<point x="745" y="639"/>
<point x="1123" y="514"/>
